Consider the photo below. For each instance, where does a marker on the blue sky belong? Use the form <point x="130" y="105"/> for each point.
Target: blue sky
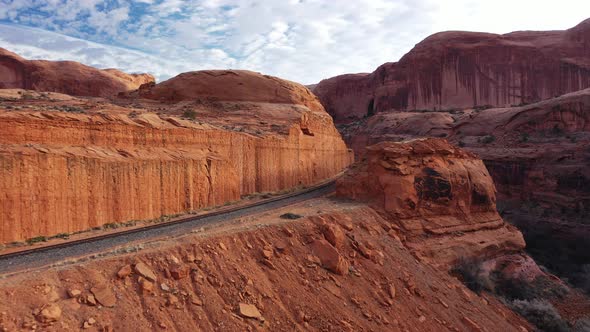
<point x="301" y="40"/>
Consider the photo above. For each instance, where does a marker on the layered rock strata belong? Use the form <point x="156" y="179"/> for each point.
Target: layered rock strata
<point x="66" y="171"/>
<point x="457" y="70"/>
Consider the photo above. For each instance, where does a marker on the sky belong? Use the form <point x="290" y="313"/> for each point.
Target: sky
<point x="300" y="40"/>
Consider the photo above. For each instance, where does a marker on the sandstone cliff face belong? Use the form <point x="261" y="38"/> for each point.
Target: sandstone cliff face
<point x="456" y="70"/>
<point x="65" y="77"/>
<point x="434" y="191"/>
<point x="63" y="172"/>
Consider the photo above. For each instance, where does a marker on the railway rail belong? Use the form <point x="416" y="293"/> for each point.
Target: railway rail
<point x="33" y="258"/>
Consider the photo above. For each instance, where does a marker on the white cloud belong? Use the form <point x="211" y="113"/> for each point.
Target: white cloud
<point x="301" y="40"/>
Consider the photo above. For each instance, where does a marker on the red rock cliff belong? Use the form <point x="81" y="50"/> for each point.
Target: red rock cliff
<point x="451" y="70"/>
<point x="434" y="192"/>
<point x="63" y="172"/>
<point x="65" y="77"/>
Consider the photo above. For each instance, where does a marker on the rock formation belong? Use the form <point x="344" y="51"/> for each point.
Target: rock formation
<point x="73" y="164"/>
<point x="457" y="70"/>
<point x="433" y="191"/>
<point x="65" y="77"/>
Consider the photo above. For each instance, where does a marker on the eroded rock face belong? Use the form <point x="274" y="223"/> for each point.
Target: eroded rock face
<point x="230" y="85"/>
<point x="65" y="77"/>
<point x="434" y="191"/>
<point x="456" y="70"/>
<point x="95" y="163"/>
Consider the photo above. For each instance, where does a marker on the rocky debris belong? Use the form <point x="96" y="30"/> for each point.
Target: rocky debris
<point x="124" y="271"/>
<point x="391" y="290"/>
<point x="143" y="270"/>
<point x="249" y="311"/>
<point x="89" y="323"/>
<point x="49" y="313"/>
<point x="471" y="325"/>
<point x="281" y="245"/>
<point x="172" y="300"/>
<point x="266" y="253"/>
<point x="146" y="285"/>
<point x="90" y="300"/>
<point x="179" y="272"/>
<point x="334" y="235"/>
<point x="104" y="295"/>
<point x="74" y="293"/>
<point x="329" y="257"/>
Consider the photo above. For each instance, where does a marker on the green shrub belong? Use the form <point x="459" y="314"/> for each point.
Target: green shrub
<point x="290" y="215"/>
<point x="524" y="137"/>
<point x="189" y="114"/>
<point x="470" y="272"/>
<point x="37" y="239"/>
<point x="540" y="313"/>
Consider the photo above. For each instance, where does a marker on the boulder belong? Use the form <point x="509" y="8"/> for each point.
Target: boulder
<point x="50" y="313"/>
<point x="143" y="270"/>
<point x="330" y="257"/>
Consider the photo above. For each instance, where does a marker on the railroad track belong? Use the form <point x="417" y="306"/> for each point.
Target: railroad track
<point x="33" y="258"/>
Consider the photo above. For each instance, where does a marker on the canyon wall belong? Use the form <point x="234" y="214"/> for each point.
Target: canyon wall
<point x="457" y="70"/>
<point x="75" y="164"/>
<point x="65" y="77"/>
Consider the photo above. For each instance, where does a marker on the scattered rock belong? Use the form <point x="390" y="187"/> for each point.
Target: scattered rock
<point x="249" y="311"/>
<point x="281" y="245"/>
<point x="165" y="287"/>
<point x="104" y="295"/>
<point x="74" y="293"/>
<point x="90" y="300"/>
<point x="146" y="285"/>
<point x="179" y="272"/>
<point x="222" y="246"/>
<point x="334" y="235"/>
<point x="391" y="290"/>
<point x="330" y="257"/>
<point x="267" y="253"/>
<point x="145" y="272"/>
<point x="172" y="300"/>
<point x="124" y="272"/>
<point x="50" y="313"/>
<point x="473" y="327"/>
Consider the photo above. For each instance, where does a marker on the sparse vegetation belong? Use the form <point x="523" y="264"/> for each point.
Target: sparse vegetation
<point x="290" y="216"/>
<point x="524" y="137"/>
<point x="36" y="239"/>
<point x="189" y="114"/>
<point x="470" y="272"/>
<point x="541" y="313"/>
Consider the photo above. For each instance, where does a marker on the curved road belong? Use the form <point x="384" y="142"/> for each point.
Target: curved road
<point x="44" y="256"/>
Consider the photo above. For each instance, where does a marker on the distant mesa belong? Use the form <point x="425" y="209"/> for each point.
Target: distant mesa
<point x="66" y="77"/>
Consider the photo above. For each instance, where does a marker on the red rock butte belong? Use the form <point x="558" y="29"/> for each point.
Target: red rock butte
<point x="434" y="191"/>
<point x="455" y="70"/>
<point x="67" y="77"/>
